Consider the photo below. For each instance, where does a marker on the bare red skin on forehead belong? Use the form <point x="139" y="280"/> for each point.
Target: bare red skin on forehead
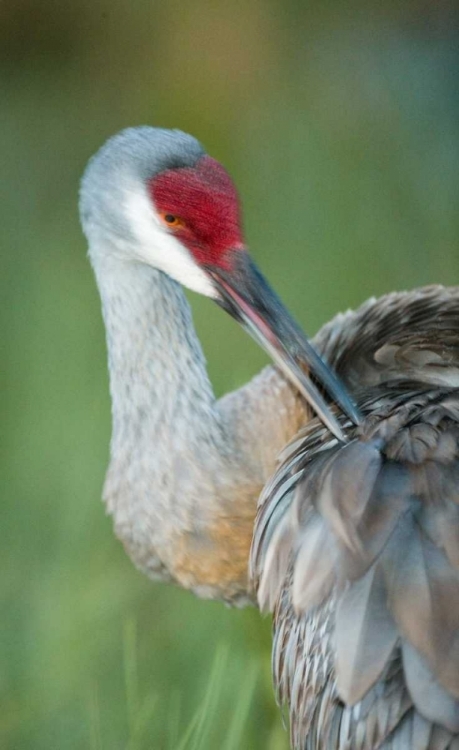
<point x="205" y="199"/>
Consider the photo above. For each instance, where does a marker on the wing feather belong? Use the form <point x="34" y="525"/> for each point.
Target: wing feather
<point x="365" y="636"/>
<point x="356" y="546"/>
<point x="434" y="703"/>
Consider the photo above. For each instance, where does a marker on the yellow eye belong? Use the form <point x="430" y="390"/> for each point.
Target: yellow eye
<point x="171" y="220"/>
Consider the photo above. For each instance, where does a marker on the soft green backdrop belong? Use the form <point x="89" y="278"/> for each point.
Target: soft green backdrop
<point x="339" y="123"/>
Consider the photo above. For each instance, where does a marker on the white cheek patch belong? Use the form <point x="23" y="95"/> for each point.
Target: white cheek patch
<point x="156" y="247"/>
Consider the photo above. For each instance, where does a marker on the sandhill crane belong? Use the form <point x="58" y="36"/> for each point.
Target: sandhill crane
<point x="356" y="542"/>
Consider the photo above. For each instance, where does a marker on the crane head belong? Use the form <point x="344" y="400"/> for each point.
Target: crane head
<point x="154" y="196"/>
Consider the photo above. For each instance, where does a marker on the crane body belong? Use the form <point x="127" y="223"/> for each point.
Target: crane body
<point x="355" y="546"/>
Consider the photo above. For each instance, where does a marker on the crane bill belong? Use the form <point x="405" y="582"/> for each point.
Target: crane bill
<point x="244" y="293"/>
<point x="291" y="369"/>
<point x="300" y="380"/>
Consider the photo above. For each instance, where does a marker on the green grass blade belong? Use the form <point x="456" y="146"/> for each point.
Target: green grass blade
<point x="242" y="709"/>
<point x="211" y="698"/>
<point x="142" y="722"/>
<point x="130" y="672"/>
<point x="201" y="723"/>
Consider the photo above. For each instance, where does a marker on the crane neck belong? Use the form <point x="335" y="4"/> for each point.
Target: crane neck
<point x="177" y="484"/>
<point x="156" y="364"/>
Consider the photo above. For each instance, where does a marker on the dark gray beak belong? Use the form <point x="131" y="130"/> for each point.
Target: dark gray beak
<point x="246" y="295"/>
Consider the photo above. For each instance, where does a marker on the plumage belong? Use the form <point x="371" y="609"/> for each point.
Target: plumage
<point x="373" y="526"/>
<point x="355" y="545"/>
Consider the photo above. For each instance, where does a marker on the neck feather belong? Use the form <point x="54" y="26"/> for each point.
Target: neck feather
<point x="158" y="374"/>
<point x="174" y="471"/>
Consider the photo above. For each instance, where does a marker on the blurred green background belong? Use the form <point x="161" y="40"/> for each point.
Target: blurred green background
<point x="339" y="123"/>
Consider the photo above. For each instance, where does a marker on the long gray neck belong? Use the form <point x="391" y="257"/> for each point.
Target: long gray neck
<point x="158" y="378"/>
<point x="185" y="472"/>
<point x="174" y="469"/>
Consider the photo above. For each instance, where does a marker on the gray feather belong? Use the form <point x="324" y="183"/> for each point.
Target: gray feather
<point x="374" y="550"/>
<point x="314" y="567"/>
<point x="423" y="596"/>
<point x="433" y="702"/>
<point x="365" y="636"/>
<point x="346" y="489"/>
<point x="389" y="501"/>
<point x="275" y="564"/>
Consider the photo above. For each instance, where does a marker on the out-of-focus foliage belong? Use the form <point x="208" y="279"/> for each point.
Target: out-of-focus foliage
<point x="339" y="122"/>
